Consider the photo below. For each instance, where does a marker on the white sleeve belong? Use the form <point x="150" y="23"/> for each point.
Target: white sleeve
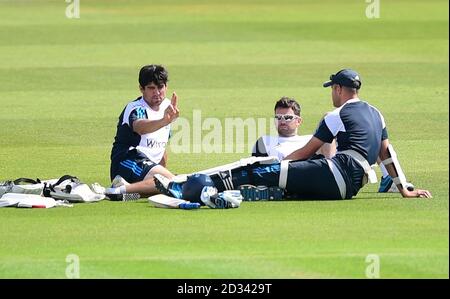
<point x="334" y="122"/>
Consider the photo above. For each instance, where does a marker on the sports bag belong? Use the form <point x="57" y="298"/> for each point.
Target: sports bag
<point x="23" y="186"/>
<point x="70" y="188"/>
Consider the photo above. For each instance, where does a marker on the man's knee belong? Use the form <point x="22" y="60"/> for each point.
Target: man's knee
<point x="158" y="169"/>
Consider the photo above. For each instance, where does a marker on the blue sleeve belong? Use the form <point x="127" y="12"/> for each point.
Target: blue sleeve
<point x="323" y="132"/>
<point x="138" y="113"/>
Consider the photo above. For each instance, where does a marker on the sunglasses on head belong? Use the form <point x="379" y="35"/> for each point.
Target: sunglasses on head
<point x="285" y="117"/>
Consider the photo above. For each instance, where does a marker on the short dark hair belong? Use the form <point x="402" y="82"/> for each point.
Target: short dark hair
<point x="153" y="73"/>
<point x="286" y="102"/>
<point x="350" y="89"/>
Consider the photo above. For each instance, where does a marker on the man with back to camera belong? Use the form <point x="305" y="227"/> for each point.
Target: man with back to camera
<point x="362" y="138"/>
<point x="143" y="131"/>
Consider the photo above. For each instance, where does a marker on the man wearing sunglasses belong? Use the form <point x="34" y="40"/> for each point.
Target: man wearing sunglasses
<point x="287" y="121"/>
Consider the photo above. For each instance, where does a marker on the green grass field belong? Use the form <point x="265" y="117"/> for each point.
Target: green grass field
<point x="65" y="81"/>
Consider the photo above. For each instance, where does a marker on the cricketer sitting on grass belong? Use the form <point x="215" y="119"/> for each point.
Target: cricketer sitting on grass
<point x="143" y="131"/>
<point x="362" y="138"/>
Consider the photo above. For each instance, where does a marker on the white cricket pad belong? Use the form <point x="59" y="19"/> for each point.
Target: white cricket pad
<point x="240" y="163"/>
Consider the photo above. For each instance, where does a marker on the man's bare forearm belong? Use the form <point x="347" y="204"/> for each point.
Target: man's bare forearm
<point x="145" y="126"/>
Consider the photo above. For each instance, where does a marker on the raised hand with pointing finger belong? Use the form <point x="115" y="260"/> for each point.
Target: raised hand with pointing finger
<point x="172" y="112"/>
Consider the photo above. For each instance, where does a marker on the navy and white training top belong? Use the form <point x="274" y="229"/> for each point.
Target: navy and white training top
<point x="152" y="145"/>
<point x="358" y="126"/>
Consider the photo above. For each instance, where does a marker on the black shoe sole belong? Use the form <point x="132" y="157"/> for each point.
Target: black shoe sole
<point x="263" y="193"/>
<point x="124" y="197"/>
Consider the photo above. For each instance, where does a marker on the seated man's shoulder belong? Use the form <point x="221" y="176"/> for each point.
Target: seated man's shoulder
<point x="304" y="138"/>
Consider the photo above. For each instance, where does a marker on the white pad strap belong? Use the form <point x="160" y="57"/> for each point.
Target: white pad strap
<point x="387" y="161"/>
<point x="338" y="178"/>
<point x="397" y="181"/>
<point x="368" y="170"/>
<point x="284" y="167"/>
<point x="400" y="179"/>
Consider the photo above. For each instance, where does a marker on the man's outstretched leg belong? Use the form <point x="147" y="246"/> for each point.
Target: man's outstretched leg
<point x="255" y="177"/>
<point x="309" y="179"/>
<point x="122" y="190"/>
